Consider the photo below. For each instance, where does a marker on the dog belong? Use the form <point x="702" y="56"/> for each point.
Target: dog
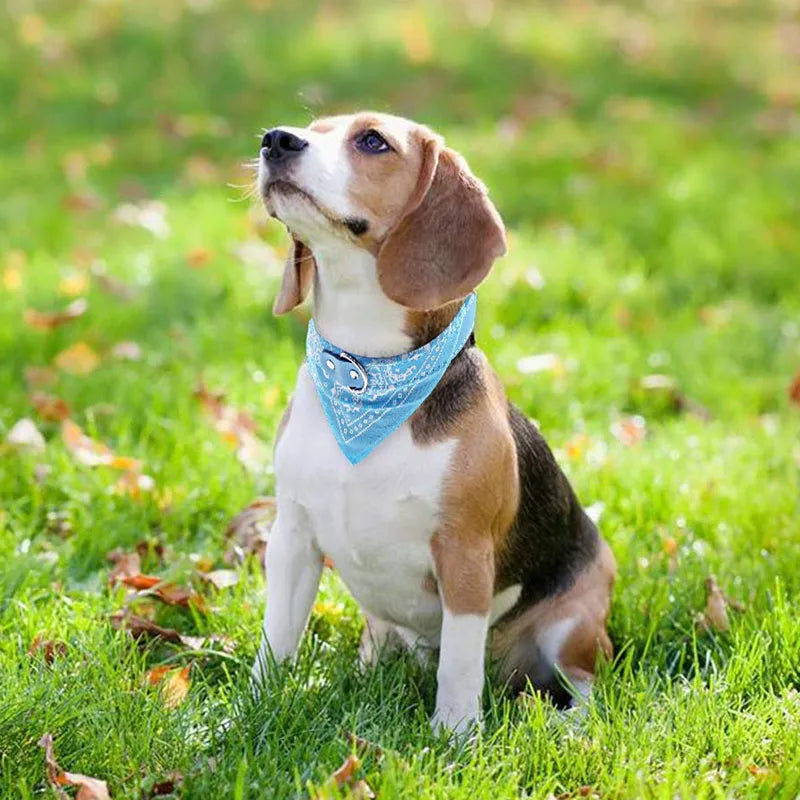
<point x="453" y="526"/>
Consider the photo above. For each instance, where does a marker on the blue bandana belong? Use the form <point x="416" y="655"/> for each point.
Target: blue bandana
<point x="366" y="399"/>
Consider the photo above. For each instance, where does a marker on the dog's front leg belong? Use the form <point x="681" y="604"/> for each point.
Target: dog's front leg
<point x="465" y="572"/>
<point x="294" y="566"/>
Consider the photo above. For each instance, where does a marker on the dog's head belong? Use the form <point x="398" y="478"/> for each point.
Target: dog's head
<point x="387" y="185"/>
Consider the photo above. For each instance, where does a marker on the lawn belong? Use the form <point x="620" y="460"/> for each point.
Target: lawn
<point x="646" y="159"/>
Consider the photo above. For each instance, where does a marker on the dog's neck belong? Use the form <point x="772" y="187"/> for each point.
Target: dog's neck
<point x="352" y="311"/>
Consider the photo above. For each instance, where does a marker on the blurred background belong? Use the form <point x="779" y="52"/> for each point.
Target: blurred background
<point x="646" y="159"/>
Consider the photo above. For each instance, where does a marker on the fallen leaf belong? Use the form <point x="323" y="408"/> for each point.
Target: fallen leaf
<point x="126" y="565"/>
<point x="40" y="377"/>
<point x="73" y="284"/>
<point x="50" y="407"/>
<point x="50" y="648"/>
<point x="347" y="770"/>
<point x="630" y="431"/>
<point x="249" y="530"/>
<point x="794" y="390"/>
<point x="199" y="257"/>
<point x="715" y="614"/>
<point x="166" y="785"/>
<point x="169" y="593"/>
<point x="88" y="788"/>
<point x="25" y="437"/>
<point x="176" y="687"/>
<point x="221" y="578"/>
<point x="236" y="427"/>
<point x="77" y="359"/>
<point x="134" y="484"/>
<point x="140" y="628"/>
<point x="141" y="582"/>
<point x="154" y="676"/>
<point x="47" y="320"/>
<point x="92" y="453"/>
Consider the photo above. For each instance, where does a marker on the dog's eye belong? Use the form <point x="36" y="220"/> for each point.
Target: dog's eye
<point x="372" y="142"/>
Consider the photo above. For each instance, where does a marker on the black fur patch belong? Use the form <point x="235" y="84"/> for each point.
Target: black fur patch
<point x="356" y="226"/>
<point x="552" y="538"/>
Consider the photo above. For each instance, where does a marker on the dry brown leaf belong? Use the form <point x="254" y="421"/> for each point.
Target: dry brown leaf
<point x="630" y="431"/>
<point x="47" y="320"/>
<point x="347" y="770"/>
<point x="50" y="648"/>
<point x="176" y="687"/>
<point x="166" y="785"/>
<point x="88" y="788"/>
<point x="140" y="628"/>
<point x="77" y="359"/>
<point x="236" y="427"/>
<point x="715" y="614"/>
<point x="794" y="390"/>
<point x="169" y="593"/>
<point x="249" y="530"/>
<point x="50" y="407"/>
<point x="25" y="437"/>
<point x="133" y="483"/>
<point x="40" y="377"/>
<point x="221" y="578"/>
<point x="199" y="257"/>
<point x="92" y="453"/>
<point x="126" y="565"/>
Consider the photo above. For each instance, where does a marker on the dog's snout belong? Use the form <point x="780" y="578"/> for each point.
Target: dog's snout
<point x="280" y="145"/>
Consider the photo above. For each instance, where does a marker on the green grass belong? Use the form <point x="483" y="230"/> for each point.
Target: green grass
<point x="646" y="160"/>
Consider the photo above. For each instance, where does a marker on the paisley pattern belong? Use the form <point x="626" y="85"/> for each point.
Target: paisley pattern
<point x="366" y="399"/>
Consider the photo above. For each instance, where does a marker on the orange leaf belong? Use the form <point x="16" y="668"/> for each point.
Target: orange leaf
<point x="84" y="449"/>
<point x="176" y="687"/>
<point x="126" y="565"/>
<point x="77" y="359"/>
<point x="198" y="257"/>
<point x="794" y="390"/>
<point x="46" y="320"/>
<point x="347" y="771"/>
<point x="50" y="648"/>
<point x="156" y="675"/>
<point x="141" y="582"/>
<point x="49" y="407"/>
<point x="715" y="614"/>
<point x="630" y="431"/>
<point x="88" y="788"/>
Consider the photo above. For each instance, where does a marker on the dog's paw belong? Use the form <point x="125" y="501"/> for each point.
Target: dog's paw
<point x="455" y="721"/>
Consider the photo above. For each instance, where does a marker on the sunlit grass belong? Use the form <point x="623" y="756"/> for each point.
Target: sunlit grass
<point x="647" y="164"/>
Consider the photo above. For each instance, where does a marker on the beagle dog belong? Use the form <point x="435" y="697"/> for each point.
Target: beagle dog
<point x="457" y="531"/>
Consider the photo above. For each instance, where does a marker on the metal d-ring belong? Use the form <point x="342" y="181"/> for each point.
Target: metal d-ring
<point x="358" y="369"/>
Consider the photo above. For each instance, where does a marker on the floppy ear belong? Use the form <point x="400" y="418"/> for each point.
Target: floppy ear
<point x="447" y="239"/>
<point x="298" y="275"/>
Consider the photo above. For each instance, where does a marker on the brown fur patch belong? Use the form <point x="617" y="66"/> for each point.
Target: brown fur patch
<point x="479" y="497"/>
<point x="515" y="643"/>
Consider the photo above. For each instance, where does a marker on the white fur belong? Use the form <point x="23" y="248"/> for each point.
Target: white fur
<point x="552" y="639"/>
<point x="460" y="674"/>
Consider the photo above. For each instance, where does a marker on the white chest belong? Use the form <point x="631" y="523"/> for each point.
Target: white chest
<point x="375" y="519"/>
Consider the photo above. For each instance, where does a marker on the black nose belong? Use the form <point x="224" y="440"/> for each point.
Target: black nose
<point x="278" y="145"/>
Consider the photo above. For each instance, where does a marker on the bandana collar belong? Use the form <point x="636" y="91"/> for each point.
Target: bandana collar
<point x="366" y="399"/>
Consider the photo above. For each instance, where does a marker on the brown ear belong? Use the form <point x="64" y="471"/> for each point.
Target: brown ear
<point x="448" y="238"/>
<point x="298" y="275"/>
